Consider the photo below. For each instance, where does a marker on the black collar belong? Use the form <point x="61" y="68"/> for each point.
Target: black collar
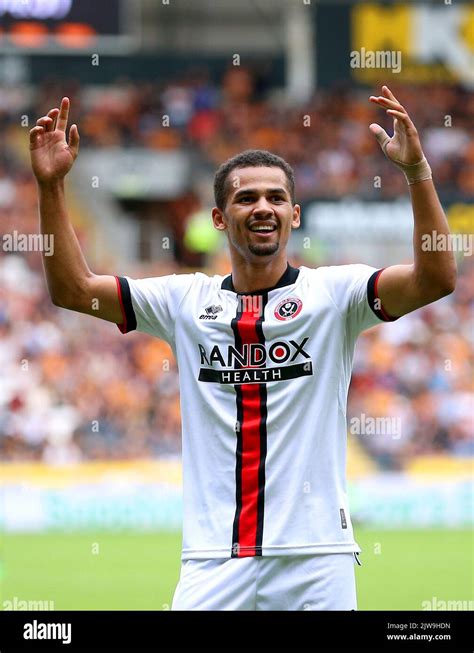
<point x="287" y="279"/>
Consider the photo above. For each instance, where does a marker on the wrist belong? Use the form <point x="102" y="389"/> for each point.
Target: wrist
<point x="415" y="172"/>
<point x="420" y="171"/>
<point x="56" y="183"/>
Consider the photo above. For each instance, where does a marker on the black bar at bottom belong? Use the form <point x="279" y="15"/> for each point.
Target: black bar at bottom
<point x="139" y="631"/>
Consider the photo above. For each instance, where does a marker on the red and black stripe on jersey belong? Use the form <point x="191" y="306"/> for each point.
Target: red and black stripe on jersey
<point x="374" y="300"/>
<point x="251" y="428"/>
<point x="129" y="322"/>
<point x="251" y="451"/>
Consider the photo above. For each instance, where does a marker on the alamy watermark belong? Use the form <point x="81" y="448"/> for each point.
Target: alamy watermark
<point x="251" y="304"/>
<point x="435" y="242"/>
<point x="389" y="59"/>
<point x="17" y="242"/>
<point x="440" y="604"/>
<point x="20" y="604"/>
<point x="367" y="425"/>
<point x="40" y="630"/>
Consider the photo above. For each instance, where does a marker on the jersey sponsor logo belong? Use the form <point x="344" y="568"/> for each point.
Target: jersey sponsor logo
<point x="248" y="363"/>
<point x="288" y="308"/>
<point x="254" y="354"/>
<point x="256" y="375"/>
<point x="211" y="312"/>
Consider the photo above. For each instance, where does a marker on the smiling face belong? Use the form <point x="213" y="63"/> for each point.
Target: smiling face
<point x="258" y="215"/>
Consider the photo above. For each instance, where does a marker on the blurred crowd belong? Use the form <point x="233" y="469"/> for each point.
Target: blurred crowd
<point x="327" y="141"/>
<point x="73" y="388"/>
<point x="417" y="374"/>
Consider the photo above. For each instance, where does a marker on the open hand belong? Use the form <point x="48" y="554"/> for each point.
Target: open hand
<point x="404" y="146"/>
<point x="51" y="155"/>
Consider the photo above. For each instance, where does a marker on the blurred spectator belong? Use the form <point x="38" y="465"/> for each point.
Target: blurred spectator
<point x="327" y="141"/>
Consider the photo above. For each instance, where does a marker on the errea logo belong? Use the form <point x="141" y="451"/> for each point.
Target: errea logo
<point x="211" y="312"/>
<point x="288" y="308"/>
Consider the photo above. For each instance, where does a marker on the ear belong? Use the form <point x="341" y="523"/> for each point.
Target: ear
<point x="218" y="219"/>
<point x="296" y="221"/>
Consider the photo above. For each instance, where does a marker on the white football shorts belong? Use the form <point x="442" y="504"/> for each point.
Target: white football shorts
<point x="302" y="582"/>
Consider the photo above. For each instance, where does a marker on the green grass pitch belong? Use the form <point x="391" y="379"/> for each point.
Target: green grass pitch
<point x="138" y="571"/>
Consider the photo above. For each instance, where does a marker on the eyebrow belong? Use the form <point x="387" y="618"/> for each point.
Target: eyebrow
<point x="254" y="191"/>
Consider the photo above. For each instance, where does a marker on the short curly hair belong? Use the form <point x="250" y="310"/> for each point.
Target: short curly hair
<point x="249" y="158"/>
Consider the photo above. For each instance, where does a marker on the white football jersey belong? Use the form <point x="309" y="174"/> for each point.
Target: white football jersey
<point x="264" y="378"/>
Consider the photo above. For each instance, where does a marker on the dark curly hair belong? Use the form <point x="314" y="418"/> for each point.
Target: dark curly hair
<point x="249" y="158"/>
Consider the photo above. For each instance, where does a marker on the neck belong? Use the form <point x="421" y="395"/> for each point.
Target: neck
<point x="248" y="276"/>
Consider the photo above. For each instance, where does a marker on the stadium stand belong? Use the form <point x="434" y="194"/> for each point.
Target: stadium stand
<point x="73" y="388"/>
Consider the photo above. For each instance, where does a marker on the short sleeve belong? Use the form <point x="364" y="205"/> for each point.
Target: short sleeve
<point x="354" y="290"/>
<point x="151" y="305"/>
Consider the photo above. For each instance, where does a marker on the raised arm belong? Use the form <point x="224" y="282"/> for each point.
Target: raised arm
<point x="70" y="282"/>
<point x="404" y="288"/>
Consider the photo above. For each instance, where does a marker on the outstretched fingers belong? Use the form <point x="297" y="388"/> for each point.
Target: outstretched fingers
<point x="393" y="107"/>
<point x="403" y="117"/>
<point x="387" y="103"/>
<point x="388" y="93"/>
<point x="56" y="119"/>
<point x="74" y="139"/>
<point x="61" y="123"/>
<point x="53" y="113"/>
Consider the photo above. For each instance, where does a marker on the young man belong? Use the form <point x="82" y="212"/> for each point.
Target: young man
<point x="265" y="357"/>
